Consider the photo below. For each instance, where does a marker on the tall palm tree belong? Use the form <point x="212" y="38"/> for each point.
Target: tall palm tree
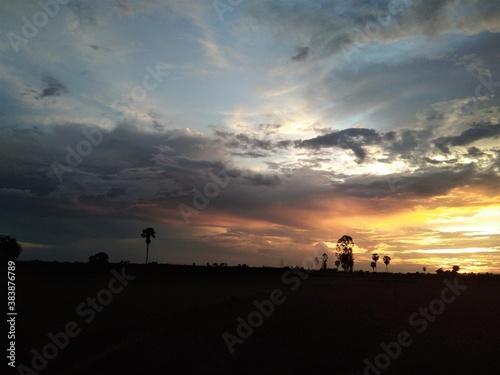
<point x="147" y="234"/>
<point x="373" y="265"/>
<point x="387" y="260"/>
<point x="375" y="258"/>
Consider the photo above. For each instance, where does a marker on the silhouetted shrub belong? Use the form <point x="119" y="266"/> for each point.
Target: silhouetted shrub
<point x="9" y="248"/>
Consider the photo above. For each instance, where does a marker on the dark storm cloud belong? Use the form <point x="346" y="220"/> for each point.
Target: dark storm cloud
<point x="162" y="173"/>
<point x="128" y="160"/>
<point x="179" y="151"/>
<point x="24" y="153"/>
<point x="411" y="145"/>
<point x="283" y="144"/>
<point x="115" y="192"/>
<point x="474" y="151"/>
<point x="260" y="179"/>
<point x="432" y="161"/>
<point x="53" y="87"/>
<point x="390" y="136"/>
<point x="475" y="133"/>
<point x="249" y="145"/>
<point x="349" y="139"/>
<point x="247" y="142"/>
<point x="150" y="164"/>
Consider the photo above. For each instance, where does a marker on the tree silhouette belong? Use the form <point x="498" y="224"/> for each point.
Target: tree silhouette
<point x="9" y="248"/>
<point x="455" y="269"/>
<point x="344" y="253"/>
<point x="324" y="259"/>
<point x="373" y="265"/>
<point x="337" y="264"/>
<point x="99" y="258"/>
<point x="147" y="234"/>
<point x="424" y="269"/>
<point x="375" y="259"/>
<point x="387" y="260"/>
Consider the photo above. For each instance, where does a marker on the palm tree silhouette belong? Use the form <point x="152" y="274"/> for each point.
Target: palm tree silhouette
<point x="147" y="234"/>
<point x="375" y="258"/>
<point x="373" y="265"/>
<point x="387" y="260"/>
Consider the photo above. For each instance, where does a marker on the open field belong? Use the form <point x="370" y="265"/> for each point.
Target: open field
<point x="171" y="319"/>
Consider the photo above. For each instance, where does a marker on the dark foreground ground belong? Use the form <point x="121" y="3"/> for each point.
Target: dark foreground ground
<point x="171" y="320"/>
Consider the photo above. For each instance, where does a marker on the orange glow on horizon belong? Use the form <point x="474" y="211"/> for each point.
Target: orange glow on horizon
<point x="435" y="233"/>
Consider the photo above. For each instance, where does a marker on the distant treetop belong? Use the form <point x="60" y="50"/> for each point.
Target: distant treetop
<point x="99" y="258"/>
<point x="9" y="248"/>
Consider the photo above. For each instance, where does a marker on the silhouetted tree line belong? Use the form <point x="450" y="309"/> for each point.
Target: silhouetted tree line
<point x="454" y="269"/>
<point x="99" y="258"/>
<point x="220" y="265"/>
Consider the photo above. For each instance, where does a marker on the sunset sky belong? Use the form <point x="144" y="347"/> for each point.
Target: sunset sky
<point x="298" y="122"/>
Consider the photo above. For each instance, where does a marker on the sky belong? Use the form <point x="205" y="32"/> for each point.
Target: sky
<point x="251" y="131"/>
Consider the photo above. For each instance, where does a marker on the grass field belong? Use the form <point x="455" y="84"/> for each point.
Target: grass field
<point x="171" y="320"/>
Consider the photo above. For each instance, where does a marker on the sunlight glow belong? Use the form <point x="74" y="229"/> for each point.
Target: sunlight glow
<point x="453" y="251"/>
